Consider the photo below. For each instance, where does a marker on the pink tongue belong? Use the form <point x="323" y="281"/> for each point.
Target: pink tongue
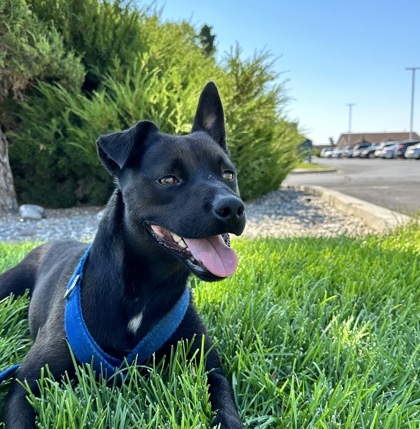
<point x="213" y="253"/>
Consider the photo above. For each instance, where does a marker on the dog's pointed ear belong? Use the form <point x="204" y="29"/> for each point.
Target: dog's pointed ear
<point x="116" y="149"/>
<point x="209" y="116"/>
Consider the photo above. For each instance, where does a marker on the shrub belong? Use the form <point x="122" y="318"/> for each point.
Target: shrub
<point x="261" y="142"/>
<point x="157" y="76"/>
<point x="316" y="152"/>
<point x="67" y="155"/>
<point x="30" y="51"/>
<point x="100" y="31"/>
<point x="47" y="169"/>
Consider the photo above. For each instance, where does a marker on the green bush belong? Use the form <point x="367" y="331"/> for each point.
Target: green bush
<point x="158" y="77"/>
<point x="261" y="142"/>
<point x="100" y="31"/>
<point x="67" y="156"/>
<point x="316" y="152"/>
<point x="47" y="168"/>
<point x="30" y="51"/>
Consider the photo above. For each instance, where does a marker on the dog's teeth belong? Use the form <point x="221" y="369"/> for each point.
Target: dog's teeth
<point x="182" y="244"/>
<point x="176" y="237"/>
<point x="157" y="230"/>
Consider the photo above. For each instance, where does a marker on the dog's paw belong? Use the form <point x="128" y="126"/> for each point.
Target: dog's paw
<point x="229" y="422"/>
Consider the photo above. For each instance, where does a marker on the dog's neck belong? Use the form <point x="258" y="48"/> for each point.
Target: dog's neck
<point x="130" y="288"/>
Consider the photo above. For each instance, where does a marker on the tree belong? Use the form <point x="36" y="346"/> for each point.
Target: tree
<point x="8" y="201"/>
<point x="207" y="40"/>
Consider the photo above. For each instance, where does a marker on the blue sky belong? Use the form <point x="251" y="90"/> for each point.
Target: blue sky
<point x="330" y="52"/>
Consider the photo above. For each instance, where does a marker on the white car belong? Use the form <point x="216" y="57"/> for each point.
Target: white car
<point x="381" y="146"/>
<point x="326" y="152"/>
<point x="413" y="151"/>
<point x="389" y="151"/>
<point x="338" y="152"/>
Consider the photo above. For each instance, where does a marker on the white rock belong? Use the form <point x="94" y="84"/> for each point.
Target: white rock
<point x="31" y="211"/>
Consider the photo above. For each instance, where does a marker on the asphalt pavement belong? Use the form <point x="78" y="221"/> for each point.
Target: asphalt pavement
<point x="391" y="184"/>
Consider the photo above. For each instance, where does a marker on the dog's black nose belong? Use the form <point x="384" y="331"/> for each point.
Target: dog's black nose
<point x="230" y="210"/>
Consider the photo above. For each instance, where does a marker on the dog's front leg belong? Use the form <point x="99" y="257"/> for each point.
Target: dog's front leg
<point x="221" y="398"/>
<point x="17" y="411"/>
<point x="221" y="394"/>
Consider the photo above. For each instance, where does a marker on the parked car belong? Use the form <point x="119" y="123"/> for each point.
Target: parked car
<point x="403" y="146"/>
<point x="326" y="152"/>
<point x="358" y="148"/>
<point x="368" y="152"/>
<point x="338" y="152"/>
<point x="389" y="151"/>
<point x="381" y="146"/>
<point x="347" y="150"/>
<point x="413" y="152"/>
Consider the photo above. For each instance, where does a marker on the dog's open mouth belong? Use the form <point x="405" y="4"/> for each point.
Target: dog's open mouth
<point x="211" y="254"/>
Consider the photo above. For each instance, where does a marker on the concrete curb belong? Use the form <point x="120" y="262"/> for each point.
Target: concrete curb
<point x="378" y="218"/>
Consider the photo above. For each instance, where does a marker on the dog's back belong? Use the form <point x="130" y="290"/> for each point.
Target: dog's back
<point x="39" y="273"/>
<point x="22" y="277"/>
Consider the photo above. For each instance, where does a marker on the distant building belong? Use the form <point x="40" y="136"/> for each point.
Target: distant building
<point x="374" y="138"/>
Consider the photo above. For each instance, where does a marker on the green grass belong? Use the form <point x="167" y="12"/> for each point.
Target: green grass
<point x="313" y="333"/>
<point x="311" y="166"/>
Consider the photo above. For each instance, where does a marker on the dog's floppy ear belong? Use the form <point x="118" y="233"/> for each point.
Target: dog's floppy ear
<point x="116" y="149"/>
<point x="209" y="116"/>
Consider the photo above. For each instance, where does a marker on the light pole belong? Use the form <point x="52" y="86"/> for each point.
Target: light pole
<point x="349" y="134"/>
<point x="413" y="83"/>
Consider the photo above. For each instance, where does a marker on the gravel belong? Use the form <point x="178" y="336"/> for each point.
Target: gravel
<point x="281" y="213"/>
<point x="290" y="213"/>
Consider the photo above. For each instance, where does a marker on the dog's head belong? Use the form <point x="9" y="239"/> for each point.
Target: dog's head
<point x="180" y="190"/>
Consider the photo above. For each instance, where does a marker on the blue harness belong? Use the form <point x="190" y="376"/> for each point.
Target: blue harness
<point x="85" y="348"/>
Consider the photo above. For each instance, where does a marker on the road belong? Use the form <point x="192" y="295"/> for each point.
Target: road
<point x="393" y="184"/>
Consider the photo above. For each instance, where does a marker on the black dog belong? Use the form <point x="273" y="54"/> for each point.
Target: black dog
<point x="175" y="204"/>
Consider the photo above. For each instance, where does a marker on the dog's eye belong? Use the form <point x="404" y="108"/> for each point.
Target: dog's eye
<point x="168" y="180"/>
<point x="228" y="175"/>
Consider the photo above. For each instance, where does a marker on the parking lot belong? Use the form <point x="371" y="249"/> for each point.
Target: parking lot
<point x="390" y="183"/>
<point x="406" y="149"/>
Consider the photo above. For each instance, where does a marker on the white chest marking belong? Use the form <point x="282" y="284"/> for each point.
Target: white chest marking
<point x="135" y="322"/>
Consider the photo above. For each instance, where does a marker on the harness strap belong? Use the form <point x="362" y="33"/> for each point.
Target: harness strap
<point x="7" y="373"/>
<point x="80" y="340"/>
<point x="85" y="347"/>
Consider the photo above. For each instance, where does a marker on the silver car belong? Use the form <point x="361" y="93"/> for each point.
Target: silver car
<point x="389" y="151"/>
<point x="413" y="152"/>
<point x="381" y="146"/>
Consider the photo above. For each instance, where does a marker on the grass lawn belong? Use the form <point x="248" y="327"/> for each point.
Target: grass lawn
<point x="311" y="166"/>
<point x="313" y="333"/>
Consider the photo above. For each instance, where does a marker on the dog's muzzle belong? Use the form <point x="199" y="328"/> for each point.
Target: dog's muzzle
<point x="229" y="211"/>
